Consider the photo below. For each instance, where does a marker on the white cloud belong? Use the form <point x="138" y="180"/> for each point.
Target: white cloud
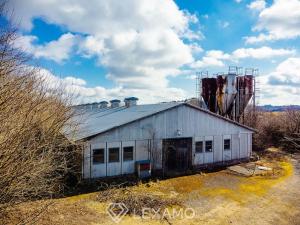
<point x="217" y="54"/>
<point x="206" y="62"/>
<point x="196" y="48"/>
<point x="56" y="50"/>
<point x="102" y="17"/>
<point x="139" y="42"/>
<point x="260" y="53"/>
<point x="79" y="89"/>
<point x="257" y="5"/>
<point x="259" y="38"/>
<point x="223" y="24"/>
<point x="287" y="73"/>
<point x="205" y="16"/>
<point x="212" y="58"/>
<point x="282" y="86"/>
<point x="279" y="21"/>
<point x="91" y="45"/>
<point x="238" y="1"/>
<point x="216" y="58"/>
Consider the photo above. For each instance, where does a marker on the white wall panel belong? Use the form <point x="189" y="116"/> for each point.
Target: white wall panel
<point x="142" y="152"/>
<point x="235" y="143"/>
<point x="198" y="157"/>
<point x="209" y="156"/>
<point x="114" y="168"/>
<point x="227" y="154"/>
<point x="128" y="167"/>
<point x="218" y="148"/>
<point x="98" y="169"/>
<point x="243" y="145"/>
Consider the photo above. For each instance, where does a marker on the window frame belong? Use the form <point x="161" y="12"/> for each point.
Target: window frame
<point x="103" y="151"/>
<point x="227" y="149"/>
<point x="131" y="159"/>
<point x="109" y="155"/>
<point x="212" y="146"/>
<point x="202" y="145"/>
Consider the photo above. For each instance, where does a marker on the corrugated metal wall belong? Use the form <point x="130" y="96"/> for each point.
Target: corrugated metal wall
<point x="146" y="136"/>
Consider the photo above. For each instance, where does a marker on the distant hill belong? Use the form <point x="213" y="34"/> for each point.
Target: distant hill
<point x="278" y="108"/>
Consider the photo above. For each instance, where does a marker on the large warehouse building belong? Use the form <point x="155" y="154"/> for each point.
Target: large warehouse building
<point x="174" y="136"/>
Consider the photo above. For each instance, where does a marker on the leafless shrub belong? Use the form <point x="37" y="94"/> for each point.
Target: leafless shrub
<point x="291" y="125"/>
<point x="270" y="130"/>
<point x="35" y="156"/>
<point x="251" y="116"/>
<point x="291" y="121"/>
<point x="279" y="129"/>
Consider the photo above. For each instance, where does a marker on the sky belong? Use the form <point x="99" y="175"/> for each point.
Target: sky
<point x="102" y="50"/>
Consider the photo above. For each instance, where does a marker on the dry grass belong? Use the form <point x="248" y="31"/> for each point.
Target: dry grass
<point x="135" y="201"/>
<point x="218" y="198"/>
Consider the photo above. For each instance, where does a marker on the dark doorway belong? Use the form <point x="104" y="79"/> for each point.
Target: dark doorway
<point x="177" y="154"/>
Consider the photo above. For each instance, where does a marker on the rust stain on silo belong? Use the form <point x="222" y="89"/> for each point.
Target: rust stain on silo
<point x="209" y="89"/>
<point x="221" y="85"/>
<point x="245" y="91"/>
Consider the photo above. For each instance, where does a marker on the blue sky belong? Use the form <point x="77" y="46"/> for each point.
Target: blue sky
<point x="153" y="49"/>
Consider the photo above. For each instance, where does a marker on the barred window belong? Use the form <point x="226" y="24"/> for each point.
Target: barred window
<point x="226" y="144"/>
<point x="114" y="154"/>
<point x="199" y="146"/>
<point x="208" y="146"/>
<point x="98" y="155"/>
<point x="128" y="153"/>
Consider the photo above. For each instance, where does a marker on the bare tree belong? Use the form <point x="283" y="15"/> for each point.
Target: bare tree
<point x="291" y="125"/>
<point x="35" y="156"/>
<point x="291" y="120"/>
<point x="155" y="150"/>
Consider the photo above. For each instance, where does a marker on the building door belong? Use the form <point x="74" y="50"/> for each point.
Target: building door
<point x="177" y="154"/>
<point x="171" y="157"/>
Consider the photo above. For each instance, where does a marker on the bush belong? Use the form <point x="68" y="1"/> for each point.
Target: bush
<point x="275" y="128"/>
<point x="35" y="156"/>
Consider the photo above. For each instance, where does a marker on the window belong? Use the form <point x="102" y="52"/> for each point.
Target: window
<point x="208" y="146"/>
<point x="199" y="146"/>
<point x="128" y="153"/>
<point x="114" y="154"/>
<point x="98" y="156"/>
<point x="226" y="144"/>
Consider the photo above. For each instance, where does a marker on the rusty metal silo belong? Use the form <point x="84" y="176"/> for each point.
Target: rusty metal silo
<point x="209" y="89"/>
<point x="245" y="92"/>
<point x="226" y="93"/>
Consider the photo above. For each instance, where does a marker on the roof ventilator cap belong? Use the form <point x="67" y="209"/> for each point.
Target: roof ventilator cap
<point x="115" y="103"/>
<point x="131" y="101"/>
<point x="103" y="104"/>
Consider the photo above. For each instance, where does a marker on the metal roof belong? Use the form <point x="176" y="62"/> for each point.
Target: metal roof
<point x="95" y="121"/>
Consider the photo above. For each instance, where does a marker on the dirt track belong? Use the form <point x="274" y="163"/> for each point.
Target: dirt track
<point x="279" y="205"/>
